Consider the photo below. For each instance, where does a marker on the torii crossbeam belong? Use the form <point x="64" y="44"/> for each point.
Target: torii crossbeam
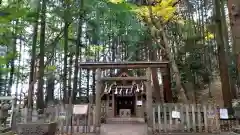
<point x="125" y="64"/>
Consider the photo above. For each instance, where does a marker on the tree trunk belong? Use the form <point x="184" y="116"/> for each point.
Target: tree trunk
<point x="181" y="93"/>
<point x="40" y="101"/>
<point x="50" y="88"/>
<point x="77" y="54"/>
<point x="226" y="88"/>
<point x="12" y="65"/>
<point x="65" y="70"/>
<point x="233" y="8"/>
<point x="69" y="89"/>
<point x="2" y="80"/>
<point x="32" y="75"/>
<point x="50" y="85"/>
<point x="156" y="85"/>
<point x="18" y="77"/>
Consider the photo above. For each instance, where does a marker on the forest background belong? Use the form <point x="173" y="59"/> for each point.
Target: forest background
<point x="43" y="41"/>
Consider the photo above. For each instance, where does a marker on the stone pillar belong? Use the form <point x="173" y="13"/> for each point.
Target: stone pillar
<point x="98" y="101"/>
<point x="149" y="102"/>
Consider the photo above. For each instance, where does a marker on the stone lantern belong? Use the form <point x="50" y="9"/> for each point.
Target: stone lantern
<point x="4" y="130"/>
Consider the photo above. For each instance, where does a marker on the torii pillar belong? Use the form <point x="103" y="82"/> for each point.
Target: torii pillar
<point x="98" y="101"/>
<point x="149" y="101"/>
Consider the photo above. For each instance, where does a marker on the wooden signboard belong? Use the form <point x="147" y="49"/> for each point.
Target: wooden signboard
<point x="139" y="103"/>
<point x="223" y="113"/>
<point x="80" y="109"/>
<point x="176" y="114"/>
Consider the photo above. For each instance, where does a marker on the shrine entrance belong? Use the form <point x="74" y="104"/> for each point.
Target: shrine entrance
<point x="133" y="92"/>
<point x="125" y="102"/>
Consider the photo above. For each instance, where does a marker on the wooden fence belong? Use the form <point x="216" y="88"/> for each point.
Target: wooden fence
<point x="78" y="123"/>
<point x="192" y="118"/>
<point x="228" y="125"/>
<point x="67" y="122"/>
<point x="72" y="123"/>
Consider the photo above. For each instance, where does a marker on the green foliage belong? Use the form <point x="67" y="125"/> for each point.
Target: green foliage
<point x="106" y="19"/>
<point x="91" y="50"/>
<point x="51" y="68"/>
<point x="3" y="62"/>
<point x="4" y="71"/>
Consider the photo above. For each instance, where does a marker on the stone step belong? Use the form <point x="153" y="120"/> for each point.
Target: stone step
<point x="236" y="130"/>
<point x="125" y="121"/>
<point x="123" y="129"/>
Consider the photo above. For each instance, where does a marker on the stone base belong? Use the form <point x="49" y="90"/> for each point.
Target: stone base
<point x="149" y="131"/>
<point x="7" y="133"/>
<point x="236" y="130"/>
<point x="36" y="128"/>
<point x="97" y="130"/>
<point x="5" y="130"/>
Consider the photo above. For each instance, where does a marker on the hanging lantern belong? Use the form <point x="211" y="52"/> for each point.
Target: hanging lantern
<point x="110" y="87"/>
<point x="141" y="88"/>
<point x="109" y="90"/>
<point x="120" y="91"/>
<point x="105" y="90"/>
<point x="133" y="84"/>
<point x="116" y="91"/>
<point x="115" y="84"/>
<point x="131" y="90"/>
<point x="137" y="90"/>
<point x="126" y="91"/>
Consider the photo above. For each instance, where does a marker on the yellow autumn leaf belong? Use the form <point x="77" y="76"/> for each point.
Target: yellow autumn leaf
<point x="209" y="36"/>
<point x="162" y="9"/>
<point x="116" y="1"/>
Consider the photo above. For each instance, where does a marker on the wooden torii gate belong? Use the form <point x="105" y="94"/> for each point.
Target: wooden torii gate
<point x="148" y="65"/>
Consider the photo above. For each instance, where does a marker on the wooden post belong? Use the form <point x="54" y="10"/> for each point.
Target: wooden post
<point x="149" y="105"/>
<point x="135" y="105"/>
<point x="167" y="87"/>
<point x="107" y="106"/>
<point x="98" y="101"/>
<point x="113" y="105"/>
